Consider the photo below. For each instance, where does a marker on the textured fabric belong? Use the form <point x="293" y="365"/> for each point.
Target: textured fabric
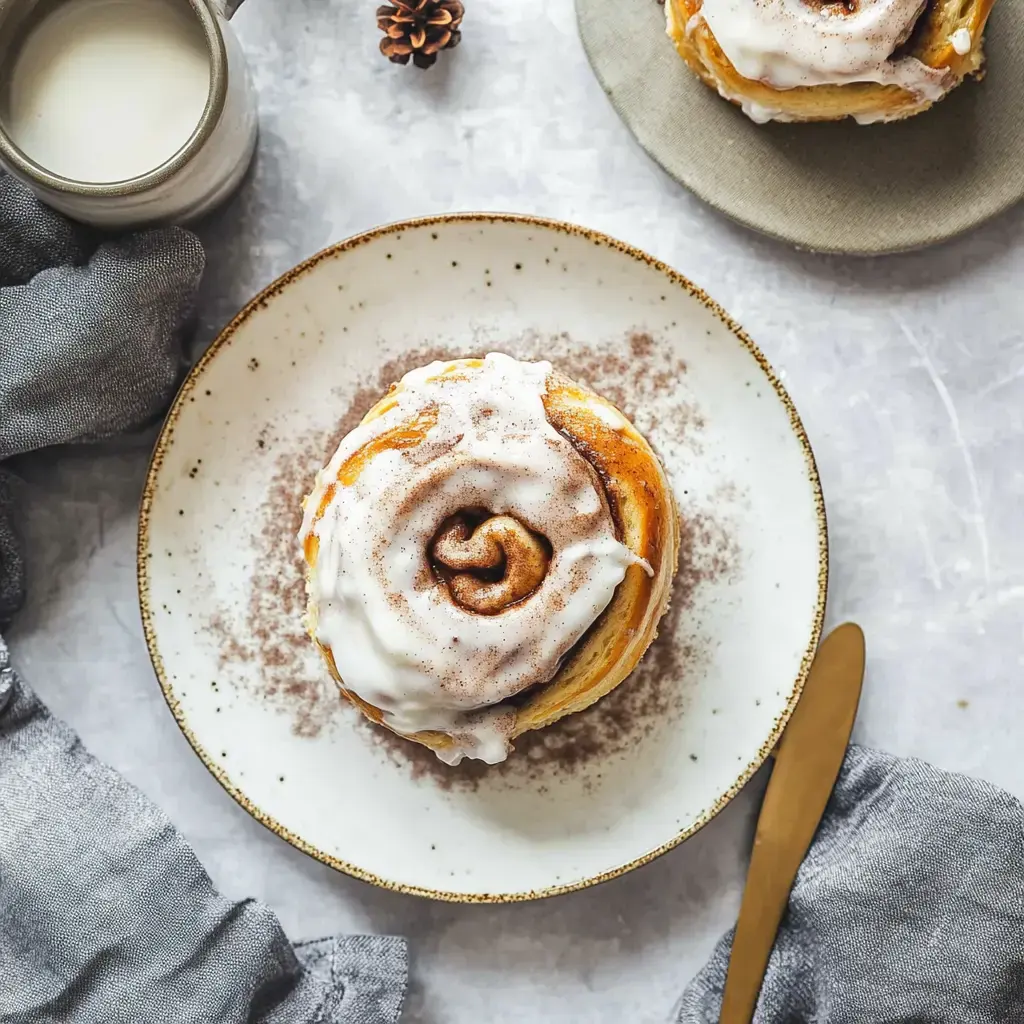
<point x="105" y="914"/>
<point x="87" y="349"/>
<point x="12" y="565"/>
<point x="908" y="909"/>
<point x="836" y="187"/>
<point x="90" y="338"/>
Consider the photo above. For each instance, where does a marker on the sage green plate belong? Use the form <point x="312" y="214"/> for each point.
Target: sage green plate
<point x="833" y="187"/>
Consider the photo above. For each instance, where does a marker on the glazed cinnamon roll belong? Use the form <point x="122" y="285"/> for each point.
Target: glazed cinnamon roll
<point x="490" y="549"/>
<point x="814" y="60"/>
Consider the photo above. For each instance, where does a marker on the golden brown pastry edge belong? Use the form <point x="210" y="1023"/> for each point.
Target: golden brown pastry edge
<point x="625" y="630"/>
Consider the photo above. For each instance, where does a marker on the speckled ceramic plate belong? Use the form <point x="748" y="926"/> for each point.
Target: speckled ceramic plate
<point x="221" y="587"/>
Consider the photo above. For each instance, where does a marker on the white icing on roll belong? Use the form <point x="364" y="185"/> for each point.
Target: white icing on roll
<point x="791" y="43"/>
<point x="399" y="639"/>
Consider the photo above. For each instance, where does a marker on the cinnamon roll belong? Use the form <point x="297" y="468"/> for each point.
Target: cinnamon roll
<point x="490" y="549"/>
<point x="815" y="60"/>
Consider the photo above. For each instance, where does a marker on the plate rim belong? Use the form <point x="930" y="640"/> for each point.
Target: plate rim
<point x="224" y="339"/>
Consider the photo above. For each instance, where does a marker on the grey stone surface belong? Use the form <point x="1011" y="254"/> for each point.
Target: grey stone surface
<point x="908" y="371"/>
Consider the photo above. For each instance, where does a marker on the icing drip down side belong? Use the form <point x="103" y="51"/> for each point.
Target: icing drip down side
<point x="464" y="546"/>
<point x="790" y="43"/>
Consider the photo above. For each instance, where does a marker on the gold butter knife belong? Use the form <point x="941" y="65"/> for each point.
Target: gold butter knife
<point x="807" y="762"/>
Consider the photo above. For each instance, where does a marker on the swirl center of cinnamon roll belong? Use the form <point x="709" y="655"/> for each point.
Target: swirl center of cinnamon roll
<point x="489" y="562"/>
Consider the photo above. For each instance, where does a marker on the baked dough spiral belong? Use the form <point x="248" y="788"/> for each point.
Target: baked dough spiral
<point x="490" y="549"/>
<point x="809" y="60"/>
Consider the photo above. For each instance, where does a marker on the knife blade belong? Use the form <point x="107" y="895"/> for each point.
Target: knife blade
<point x="807" y="763"/>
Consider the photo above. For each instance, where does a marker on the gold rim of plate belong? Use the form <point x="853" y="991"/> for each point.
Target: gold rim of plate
<point x="225" y="338"/>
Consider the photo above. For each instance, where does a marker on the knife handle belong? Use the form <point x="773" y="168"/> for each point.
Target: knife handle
<point x="786" y="826"/>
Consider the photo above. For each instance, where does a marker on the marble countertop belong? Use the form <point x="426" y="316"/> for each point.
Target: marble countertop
<point x="908" y="372"/>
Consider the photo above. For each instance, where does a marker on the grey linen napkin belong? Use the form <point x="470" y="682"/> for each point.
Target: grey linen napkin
<point x="908" y="909"/>
<point x="105" y="913"/>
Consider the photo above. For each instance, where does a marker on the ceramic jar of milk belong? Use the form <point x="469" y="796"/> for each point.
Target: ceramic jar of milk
<point x="125" y="112"/>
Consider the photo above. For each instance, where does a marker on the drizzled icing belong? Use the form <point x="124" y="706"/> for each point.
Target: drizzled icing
<point x="791" y="43"/>
<point x="382" y="596"/>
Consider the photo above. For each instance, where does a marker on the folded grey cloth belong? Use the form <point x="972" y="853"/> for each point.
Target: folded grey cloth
<point x="105" y="914"/>
<point x="89" y="347"/>
<point x="909" y="908"/>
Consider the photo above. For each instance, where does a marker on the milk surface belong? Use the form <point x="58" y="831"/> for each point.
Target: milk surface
<point x="107" y="90"/>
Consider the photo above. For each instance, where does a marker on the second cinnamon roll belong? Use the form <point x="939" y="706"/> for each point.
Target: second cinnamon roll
<point x="824" y="60"/>
<point x="490" y="549"/>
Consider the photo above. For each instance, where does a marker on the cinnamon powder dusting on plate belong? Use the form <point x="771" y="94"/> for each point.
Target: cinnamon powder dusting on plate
<point x="645" y="381"/>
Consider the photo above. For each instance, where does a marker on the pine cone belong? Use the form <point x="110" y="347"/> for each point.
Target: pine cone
<point x="419" y="29"/>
